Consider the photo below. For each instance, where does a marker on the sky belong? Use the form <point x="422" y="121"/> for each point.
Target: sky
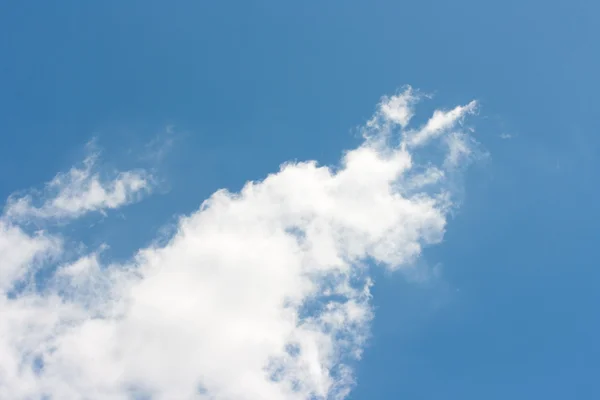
<point x="311" y="200"/>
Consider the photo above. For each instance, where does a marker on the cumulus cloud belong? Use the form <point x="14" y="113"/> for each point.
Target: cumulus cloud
<point x="262" y="294"/>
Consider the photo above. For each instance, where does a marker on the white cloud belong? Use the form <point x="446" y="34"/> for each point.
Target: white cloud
<point x="398" y="109"/>
<point x="20" y="253"/>
<point x="79" y="191"/>
<point x="261" y="294"/>
<point x="439" y="123"/>
<point x="459" y="148"/>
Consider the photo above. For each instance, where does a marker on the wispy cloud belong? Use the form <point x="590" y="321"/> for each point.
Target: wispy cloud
<point x="261" y="294"/>
<point x="79" y="191"/>
<point x="439" y="123"/>
<point x="159" y="146"/>
<point x="398" y="109"/>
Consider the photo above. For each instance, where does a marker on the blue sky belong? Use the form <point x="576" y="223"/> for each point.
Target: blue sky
<point x="228" y="91"/>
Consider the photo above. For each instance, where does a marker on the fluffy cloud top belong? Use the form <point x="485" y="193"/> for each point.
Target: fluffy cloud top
<point x="259" y="295"/>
